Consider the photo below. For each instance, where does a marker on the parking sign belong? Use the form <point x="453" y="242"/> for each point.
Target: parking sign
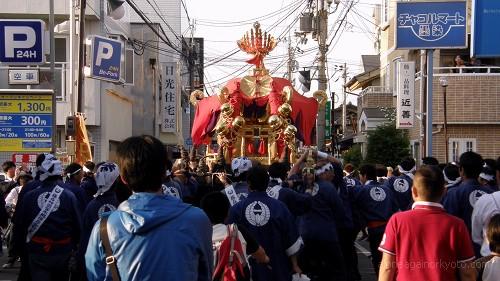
<point x="21" y="41"/>
<point x="106" y="59"/>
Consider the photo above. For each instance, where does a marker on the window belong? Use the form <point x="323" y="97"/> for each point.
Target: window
<point x="415" y="150"/>
<point x="395" y="82"/>
<point x="129" y="67"/>
<point x="385" y="11"/>
<point x="387" y="78"/>
<point x="457" y="146"/>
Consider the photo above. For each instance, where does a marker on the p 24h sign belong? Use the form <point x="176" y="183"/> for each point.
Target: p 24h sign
<point x="21" y="41"/>
<point x="431" y="25"/>
<point x="106" y="59"/>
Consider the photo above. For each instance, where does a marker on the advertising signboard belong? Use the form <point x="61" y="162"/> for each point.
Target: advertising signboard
<point x="485" y="39"/>
<point x="405" y="110"/>
<point x="107" y="56"/>
<point x="431" y="25"/>
<point x="22" y="41"/>
<point x="25" y="122"/>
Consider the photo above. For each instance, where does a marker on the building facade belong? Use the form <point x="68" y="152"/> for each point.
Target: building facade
<point x="113" y="111"/>
<point x="472" y="95"/>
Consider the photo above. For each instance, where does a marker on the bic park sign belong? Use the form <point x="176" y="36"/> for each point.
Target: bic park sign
<point x="431" y="25"/>
<point x="106" y="59"/>
<point x="21" y="42"/>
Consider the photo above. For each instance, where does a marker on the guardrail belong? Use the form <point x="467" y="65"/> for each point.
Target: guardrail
<point x="467" y="71"/>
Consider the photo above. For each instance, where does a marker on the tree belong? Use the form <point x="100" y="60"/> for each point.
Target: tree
<point x="387" y="145"/>
<point x="353" y="156"/>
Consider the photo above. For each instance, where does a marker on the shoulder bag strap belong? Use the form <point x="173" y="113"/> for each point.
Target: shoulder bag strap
<point x="233" y="232"/>
<point x="110" y="259"/>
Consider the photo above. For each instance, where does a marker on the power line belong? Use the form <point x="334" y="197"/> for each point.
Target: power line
<point x="185" y="10"/>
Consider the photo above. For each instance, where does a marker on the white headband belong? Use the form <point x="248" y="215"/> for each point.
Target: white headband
<point x="278" y="180"/>
<point x="451" y="182"/>
<point x="86" y="170"/>
<point x="325" y="168"/>
<point x="486" y="177"/>
<point x="406" y="172"/>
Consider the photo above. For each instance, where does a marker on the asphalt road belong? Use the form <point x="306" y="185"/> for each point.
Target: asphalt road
<point x="365" y="266"/>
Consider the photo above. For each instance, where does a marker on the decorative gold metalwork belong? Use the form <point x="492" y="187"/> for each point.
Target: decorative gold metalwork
<point x="223" y="95"/>
<point x="256" y="86"/>
<point x="321" y="97"/>
<point x="257" y="45"/>
<point x="289" y="136"/>
<point x="285" y="110"/>
<point x="226" y="110"/>
<point x="195" y="97"/>
<point x="287" y="93"/>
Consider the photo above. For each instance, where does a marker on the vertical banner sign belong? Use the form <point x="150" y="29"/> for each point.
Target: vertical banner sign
<point x="485" y="32"/>
<point x="83" y="152"/>
<point x="25" y="123"/>
<point x="405" y="115"/>
<point x="328" y="120"/>
<point x="169" y="98"/>
<point x="431" y="25"/>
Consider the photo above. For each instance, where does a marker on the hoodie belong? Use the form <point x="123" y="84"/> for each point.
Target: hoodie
<point x="154" y="237"/>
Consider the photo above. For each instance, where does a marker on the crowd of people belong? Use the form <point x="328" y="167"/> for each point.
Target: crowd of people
<point x="148" y="218"/>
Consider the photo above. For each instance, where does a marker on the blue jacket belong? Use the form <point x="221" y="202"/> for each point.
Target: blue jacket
<point x="80" y="194"/>
<point x="327" y="213"/>
<point x="18" y="232"/>
<point x="460" y="200"/>
<point x="154" y="237"/>
<point x="89" y="186"/>
<point x="63" y="222"/>
<point x="401" y="189"/>
<point x="374" y="201"/>
<point x="103" y="203"/>
<point x="273" y="226"/>
<point x="297" y="203"/>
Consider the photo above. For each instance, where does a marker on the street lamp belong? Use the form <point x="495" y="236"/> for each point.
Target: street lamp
<point x="444" y="83"/>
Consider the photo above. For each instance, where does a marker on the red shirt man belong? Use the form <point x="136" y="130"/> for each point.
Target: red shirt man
<point x="426" y="243"/>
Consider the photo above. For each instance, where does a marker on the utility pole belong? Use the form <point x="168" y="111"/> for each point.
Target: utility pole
<point x="290" y="59"/>
<point x="52" y="74"/>
<point x="344" y="105"/>
<point x="81" y="53"/>
<point x="322" y="15"/>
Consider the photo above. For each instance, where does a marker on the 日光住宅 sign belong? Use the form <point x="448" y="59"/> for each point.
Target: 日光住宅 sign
<point x="25" y="122"/>
<point x="106" y="59"/>
<point x="431" y="25"/>
<point x="21" y="41"/>
<point x="169" y="98"/>
<point x="405" y="109"/>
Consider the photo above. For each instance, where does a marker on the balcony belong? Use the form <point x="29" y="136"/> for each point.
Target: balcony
<point x="40" y="8"/>
<point x="379" y="90"/>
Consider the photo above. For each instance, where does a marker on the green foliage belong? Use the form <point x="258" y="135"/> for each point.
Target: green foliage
<point x="353" y="156"/>
<point x="387" y="145"/>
